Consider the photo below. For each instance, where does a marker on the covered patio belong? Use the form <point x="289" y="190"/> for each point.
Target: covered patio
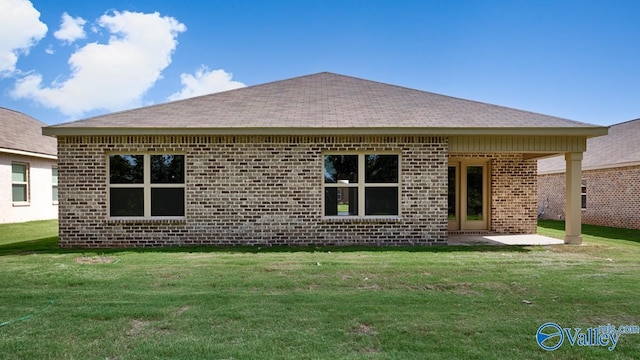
<point x="466" y="152"/>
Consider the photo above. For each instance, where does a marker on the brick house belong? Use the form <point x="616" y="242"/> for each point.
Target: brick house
<point x="610" y="183"/>
<point x="317" y="159"/>
<point x="28" y="170"/>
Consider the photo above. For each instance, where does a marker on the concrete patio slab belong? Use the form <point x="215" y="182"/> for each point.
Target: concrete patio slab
<point x="522" y="240"/>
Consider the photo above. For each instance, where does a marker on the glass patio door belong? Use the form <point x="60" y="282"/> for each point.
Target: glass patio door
<point x="468" y="196"/>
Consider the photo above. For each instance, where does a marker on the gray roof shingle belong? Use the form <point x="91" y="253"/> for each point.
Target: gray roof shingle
<point x="321" y="101"/>
<point x="621" y="146"/>
<point x="23" y="133"/>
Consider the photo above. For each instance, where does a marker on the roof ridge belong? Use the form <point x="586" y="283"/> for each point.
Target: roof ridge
<point x="16" y="111"/>
<point x="24" y="114"/>
<point x="624" y="122"/>
<point x="192" y="98"/>
<point x="462" y="99"/>
<point x="21" y="113"/>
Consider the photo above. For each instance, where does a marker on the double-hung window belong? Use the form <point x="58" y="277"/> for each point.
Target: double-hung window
<point x="20" y="183"/>
<point x="146" y="185"/>
<point x="361" y="185"/>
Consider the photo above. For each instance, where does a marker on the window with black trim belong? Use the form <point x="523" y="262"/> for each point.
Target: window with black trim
<point x="365" y="184"/>
<point x="146" y="185"/>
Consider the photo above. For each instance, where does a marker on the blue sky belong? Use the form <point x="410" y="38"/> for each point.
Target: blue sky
<point x="65" y="60"/>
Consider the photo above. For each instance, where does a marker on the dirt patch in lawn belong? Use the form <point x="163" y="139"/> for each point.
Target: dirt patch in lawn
<point x="137" y="327"/>
<point x="182" y="310"/>
<point x="95" y="260"/>
<point x="364" y="329"/>
<point x="368" y="338"/>
<point x="144" y="328"/>
<point x="456" y="288"/>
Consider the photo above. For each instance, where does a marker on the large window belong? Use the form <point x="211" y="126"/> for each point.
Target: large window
<point x="364" y="184"/>
<point x="148" y="185"/>
<point x="20" y="183"/>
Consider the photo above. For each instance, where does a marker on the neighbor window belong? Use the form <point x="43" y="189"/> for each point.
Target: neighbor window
<point x="20" y="183"/>
<point x="365" y="184"/>
<point x="146" y="185"/>
<point x="54" y="185"/>
<point x="583" y="193"/>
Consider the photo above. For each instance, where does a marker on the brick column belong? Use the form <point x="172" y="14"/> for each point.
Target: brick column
<point x="573" y="226"/>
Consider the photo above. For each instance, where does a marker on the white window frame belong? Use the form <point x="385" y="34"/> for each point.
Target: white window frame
<point x="362" y="185"/>
<point x="26" y="184"/>
<point x="146" y="185"/>
<point x="54" y="184"/>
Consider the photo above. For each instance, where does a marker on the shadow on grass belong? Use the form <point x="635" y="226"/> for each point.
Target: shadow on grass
<point x="44" y="245"/>
<point x="598" y="231"/>
<point x="50" y="246"/>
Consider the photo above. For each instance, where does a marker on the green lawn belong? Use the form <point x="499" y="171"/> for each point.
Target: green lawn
<point x="25" y="234"/>
<point x="465" y="302"/>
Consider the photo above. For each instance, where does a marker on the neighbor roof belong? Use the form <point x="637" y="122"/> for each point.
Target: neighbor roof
<point x="621" y="147"/>
<point x="324" y="103"/>
<point x="21" y="133"/>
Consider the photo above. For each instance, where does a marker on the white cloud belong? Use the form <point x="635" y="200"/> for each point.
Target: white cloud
<point x="205" y="81"/>
<point x="111" y="76"/>
<point x="20" y="29"/>
<point x="71" y="29"/>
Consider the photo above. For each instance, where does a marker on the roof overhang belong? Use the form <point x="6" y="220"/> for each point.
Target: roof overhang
<point x="586" y="132"/>
<point x="28" y="153"/>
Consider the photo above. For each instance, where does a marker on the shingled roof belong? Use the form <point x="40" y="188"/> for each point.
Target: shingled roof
<point x="621" y="147"/>
<point x="323" y="103"/>
<point x="21" y="133"/>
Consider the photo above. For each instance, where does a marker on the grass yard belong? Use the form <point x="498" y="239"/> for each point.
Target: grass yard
<point x="465" y="302"/>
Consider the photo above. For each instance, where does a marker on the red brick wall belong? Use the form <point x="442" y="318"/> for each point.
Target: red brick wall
<point x="613" y="197"/>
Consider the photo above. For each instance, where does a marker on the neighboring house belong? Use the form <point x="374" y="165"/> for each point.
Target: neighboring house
<point x="610" y="181"/>
<point x="318" y="159"/>
<point x="28" y="170"/>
